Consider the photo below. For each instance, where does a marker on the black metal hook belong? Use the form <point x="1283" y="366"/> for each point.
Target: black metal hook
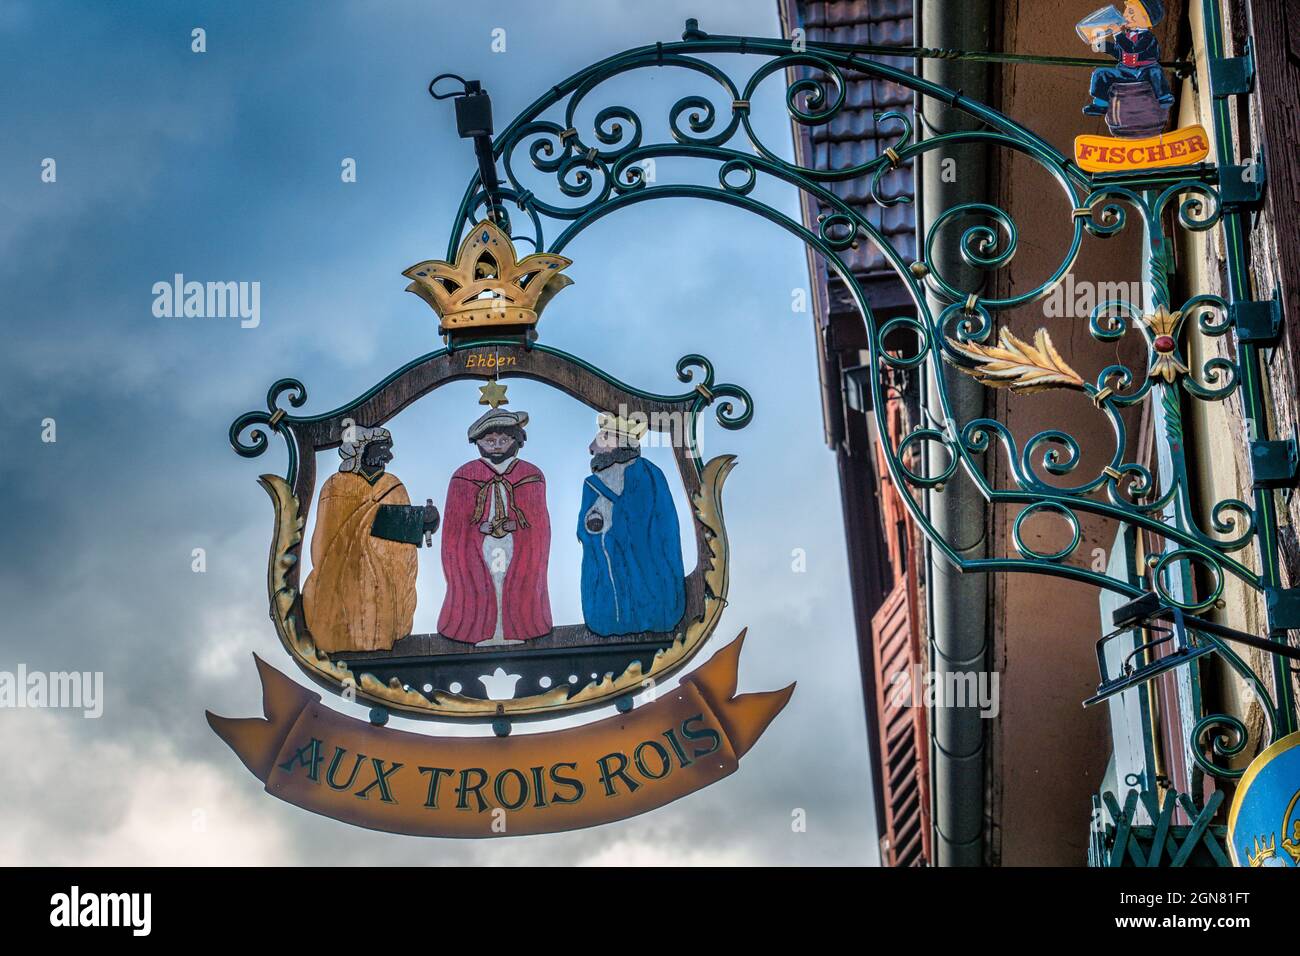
<point x="474" y="121"/>
<point x="464" y="90"/>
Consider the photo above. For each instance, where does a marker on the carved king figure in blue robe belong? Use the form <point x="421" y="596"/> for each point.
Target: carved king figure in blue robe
<point x="632" y="577"/>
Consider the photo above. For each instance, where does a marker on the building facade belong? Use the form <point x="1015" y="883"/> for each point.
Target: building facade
<point x="1027" y="774"/>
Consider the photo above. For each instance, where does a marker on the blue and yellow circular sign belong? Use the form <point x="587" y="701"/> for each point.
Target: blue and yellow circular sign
<point x="1264" y="822"/>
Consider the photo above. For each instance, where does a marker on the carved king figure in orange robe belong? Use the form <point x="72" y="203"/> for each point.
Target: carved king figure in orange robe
<point x="360" y="594"/>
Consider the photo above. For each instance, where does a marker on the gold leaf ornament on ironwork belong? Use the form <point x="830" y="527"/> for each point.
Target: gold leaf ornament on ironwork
<point x="1016" y="364"/>
<point x="1163" y="326"/>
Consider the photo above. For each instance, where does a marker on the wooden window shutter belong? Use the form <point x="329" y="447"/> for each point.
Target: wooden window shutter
<point x="903" y="736"/>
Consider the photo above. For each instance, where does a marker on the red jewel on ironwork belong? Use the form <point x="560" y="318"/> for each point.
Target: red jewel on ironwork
<point x="1165" y="343"/>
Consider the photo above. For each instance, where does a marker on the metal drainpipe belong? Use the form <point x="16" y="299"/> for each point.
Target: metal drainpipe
<point x="958" y="602"/>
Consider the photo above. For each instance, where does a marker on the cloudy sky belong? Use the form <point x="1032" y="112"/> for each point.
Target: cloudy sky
<point x="225" y="166"/>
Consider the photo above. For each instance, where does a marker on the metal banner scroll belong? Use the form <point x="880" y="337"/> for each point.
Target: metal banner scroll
<point x="386" y="779"/>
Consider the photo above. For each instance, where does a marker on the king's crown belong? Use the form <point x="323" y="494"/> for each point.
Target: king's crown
<point x="1262" y="851"/>
<point x="487" y="286"/>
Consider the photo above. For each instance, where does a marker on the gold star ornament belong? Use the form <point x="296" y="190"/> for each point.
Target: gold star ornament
<point x="493" y="394"/>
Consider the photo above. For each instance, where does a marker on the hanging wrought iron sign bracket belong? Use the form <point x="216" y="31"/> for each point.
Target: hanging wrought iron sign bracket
<point x="594" y="156"/>
<point x="1257" y="323"/>
<point x="1149" y="609"/>
<point x="1242" y="187"/>
<point x="1181" y="651"/>
<point x="1233" y="76"/>
<point x="1283" y="606"/>
<point x="1276" y="463"/>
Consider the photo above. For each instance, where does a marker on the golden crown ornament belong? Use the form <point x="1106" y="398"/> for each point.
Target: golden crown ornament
<point x="488" y="288"/>
<point x="1263" y="851"/>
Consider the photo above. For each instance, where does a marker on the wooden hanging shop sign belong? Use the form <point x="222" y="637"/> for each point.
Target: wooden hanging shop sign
<point x="498" y="656"/>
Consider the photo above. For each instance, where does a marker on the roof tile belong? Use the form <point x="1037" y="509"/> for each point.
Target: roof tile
<point x="854" y="137"/>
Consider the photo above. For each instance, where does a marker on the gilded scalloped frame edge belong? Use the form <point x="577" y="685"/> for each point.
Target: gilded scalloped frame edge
<point x="305" y="436"/>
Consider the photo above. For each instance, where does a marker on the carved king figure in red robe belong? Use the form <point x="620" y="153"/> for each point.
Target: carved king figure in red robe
<point x="496" y="540"/>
